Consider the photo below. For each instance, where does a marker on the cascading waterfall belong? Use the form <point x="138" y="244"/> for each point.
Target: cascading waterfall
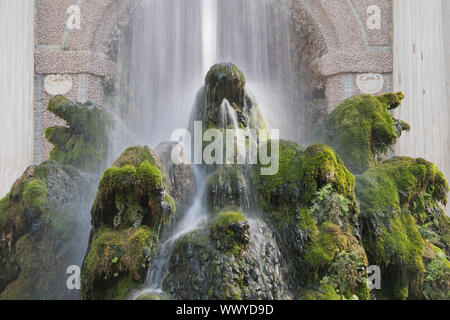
<point x="255" y="35"/>
<point x="209" y="33"/>
<point x="228" y="115"/>
<point x="163" y="57"/>
<point x="160" y="70"/>
<point x="169" y="46"/>
<point x="191" y="221"/>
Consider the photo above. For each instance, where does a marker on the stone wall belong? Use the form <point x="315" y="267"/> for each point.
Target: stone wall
<point x="16" y="89"/>
<point x="71" y="60"/>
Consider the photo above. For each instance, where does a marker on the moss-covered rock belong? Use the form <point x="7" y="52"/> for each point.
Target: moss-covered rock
<point x="399" y="198"/>
<point x="225" y="81"/>
<point x="334" y="255"/>
<point x="224" y="100"/>
<point x="84" y="142"/>
<point x="230" y="230"/>
<point x="437" y="274"/>
<point x="311" y="204"/>
<point x="200" y="269"/>
<point x="361" y="130"/>
<point x="302" y="173"/>
<point x="43" y="230"/>
<point x="131" y="210"/>
<point x="117" y="262"/>
<point x="132" y="193"/>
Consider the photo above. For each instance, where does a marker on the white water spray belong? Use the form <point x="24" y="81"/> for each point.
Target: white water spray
<point x="209" y="33"/>
<point x="165" y="56"/>
<point x="194" y="218"/>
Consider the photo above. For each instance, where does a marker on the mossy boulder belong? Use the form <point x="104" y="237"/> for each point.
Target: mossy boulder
<point x="131" y="210"/>
<point x="43" y="230"/>
<point x="83" y="143"/>
<point x="230" y="230"/>
<point x="133" y="192"/>
<point x="301" y="174"/>
<point x="224" y="100"/>
<point x="311" y="204"/>
<point x="225" y="81"/>
<point x="335" y="255"/>
<point x="117" y="262"/>
<point x="437" y="274"/>
<point x="201" y="269"/>
<point x="362" y="130"/>
<point x="399" y="198"/>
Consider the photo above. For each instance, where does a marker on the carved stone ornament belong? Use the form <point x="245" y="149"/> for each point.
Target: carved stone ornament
<point x="58" y="84"/>
<point x="370" y="83"/>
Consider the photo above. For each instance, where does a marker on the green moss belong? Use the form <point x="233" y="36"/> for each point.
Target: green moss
<point x="391" y="100"/>
<point x="227" y="219"/>
<point x="302" y="174"/>
<point x="28" y="198"/>
<point x="83" y="143"/>
<point x="134" y="156"/>
<point x="149" y="175"/>
<point x="4" y="212"/>
<point x="322" y="166"/>
<point x="40" y="224"/>
<point x="307" y="224"/>
<point x="396" y="197"/>
<point x="329" y="205"/>
<point x="437" y="276"/>
<point x="288" y="172"/>
<point x="131" y="207"/>
<point x="330" y="242"/>
<point x="117" y="262"/>
<point x="312" y="205"/>
<point x="132" y="194"/>
<point x="168" y="199"/>
<point x="402" y="181"/>
<point x="230" y="231"/>
<point x="326" y="291"/>
<point x="337" y="257"/>
<point x="22" y="286"/>
<point x="225" y="81"/>
<point x="361" y="129"/>
<point x="35" y="194"/>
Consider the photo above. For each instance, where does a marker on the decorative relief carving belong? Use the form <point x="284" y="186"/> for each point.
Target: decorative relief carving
<point x="370" y="83"/>
<point x="58" y="84"/>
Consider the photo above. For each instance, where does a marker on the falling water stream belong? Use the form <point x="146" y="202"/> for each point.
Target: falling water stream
<point x="192" y="220"/>
<point x="164" y="56"/>
<point x="170" y="45"/>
